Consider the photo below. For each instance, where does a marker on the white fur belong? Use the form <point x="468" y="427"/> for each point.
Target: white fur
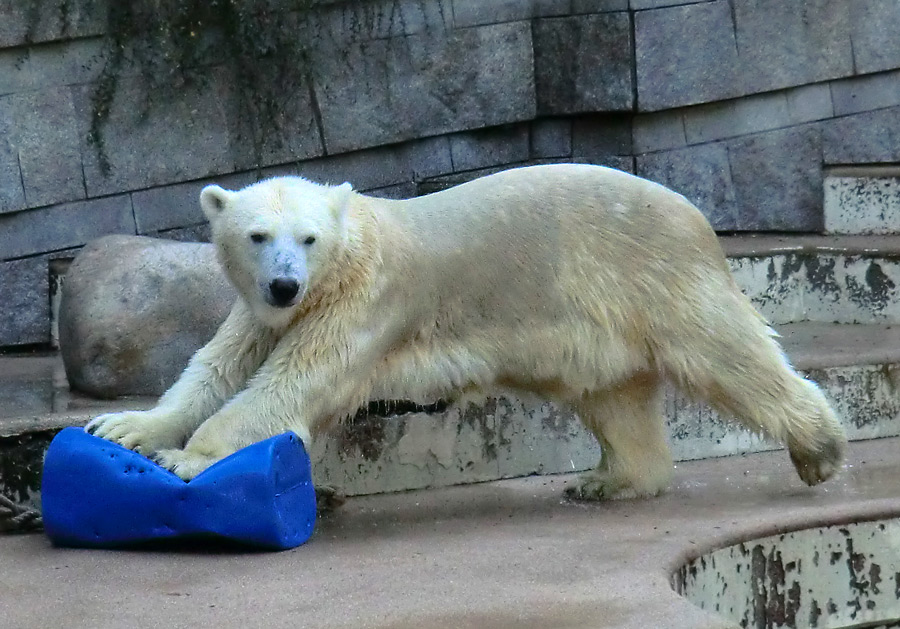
<point x="578" y="283"/>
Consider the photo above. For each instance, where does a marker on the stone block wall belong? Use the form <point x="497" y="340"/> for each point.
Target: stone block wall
<point x="741" y="105"/>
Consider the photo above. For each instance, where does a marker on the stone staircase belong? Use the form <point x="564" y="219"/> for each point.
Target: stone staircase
<point x="835" y="299"/>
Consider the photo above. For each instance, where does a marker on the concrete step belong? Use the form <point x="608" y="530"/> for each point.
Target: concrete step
<point x="502" y="437"/>
<point x="862" y="200"/>
<point x="830" y="279"/>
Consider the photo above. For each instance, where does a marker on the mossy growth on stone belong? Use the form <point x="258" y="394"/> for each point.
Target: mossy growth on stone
<point x="264" y="46"/>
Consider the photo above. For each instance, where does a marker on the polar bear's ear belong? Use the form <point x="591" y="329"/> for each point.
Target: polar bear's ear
<point x="213" y="200"/>
<point x="340" y="200"/>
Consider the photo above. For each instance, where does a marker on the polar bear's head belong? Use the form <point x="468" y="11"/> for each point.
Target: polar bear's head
<point x="275" y="238"/>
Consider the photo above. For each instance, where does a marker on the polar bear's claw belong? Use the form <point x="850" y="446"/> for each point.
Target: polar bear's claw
<point x="184" y="463"/>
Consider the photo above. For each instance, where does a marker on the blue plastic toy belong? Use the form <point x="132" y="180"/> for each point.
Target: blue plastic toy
<point x="96" y="493"/>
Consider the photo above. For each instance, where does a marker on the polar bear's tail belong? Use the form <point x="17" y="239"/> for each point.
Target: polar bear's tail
<point x="739" y="369"/>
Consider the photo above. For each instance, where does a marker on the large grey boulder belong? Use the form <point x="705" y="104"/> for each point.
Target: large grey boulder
<point x="133" y="311"/>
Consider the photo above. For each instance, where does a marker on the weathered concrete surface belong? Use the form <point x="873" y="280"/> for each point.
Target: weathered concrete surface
<point x="829" y="288"/>
<point x="35" y="403"/>
<point x="500" y="437"/>
<point x="844" y="575"/>
<point x="863" y="205"/>
<point x="567" y="54"/>
<point x="490" y="556"/>
<point x="26" y="317"/>
<point x="385" y="91"/>
<point x="135" y="309"/>
<point x="847" y="279"/>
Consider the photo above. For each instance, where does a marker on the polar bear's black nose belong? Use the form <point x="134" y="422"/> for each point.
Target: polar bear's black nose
<point x="283" y="290"/>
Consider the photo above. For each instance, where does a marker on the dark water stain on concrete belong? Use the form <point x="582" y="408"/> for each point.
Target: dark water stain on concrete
<point x="876" y="293"/>
<point x="366" y="432"/>
<point x="815" y="613"/>
<point x="476" y="417"/>
<point x="820" y="274"/>
<point x="875" y="577"/>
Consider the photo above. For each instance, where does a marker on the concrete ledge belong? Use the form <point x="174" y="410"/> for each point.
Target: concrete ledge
<point x="862" y="205"/>
<point x="800" y="575"/>
<point x="848" y="279"/>
<point x="760" y="245"/>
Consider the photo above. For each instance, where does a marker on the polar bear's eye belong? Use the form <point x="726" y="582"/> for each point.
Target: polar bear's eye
<point x="258" y="237"/>
<point x="309" y="240"/>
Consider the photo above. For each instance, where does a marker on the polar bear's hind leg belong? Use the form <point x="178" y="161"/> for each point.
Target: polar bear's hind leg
<point x="745" y="375"/>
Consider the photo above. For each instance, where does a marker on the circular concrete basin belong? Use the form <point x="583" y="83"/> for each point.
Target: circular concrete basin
<point x="838" y="576"/>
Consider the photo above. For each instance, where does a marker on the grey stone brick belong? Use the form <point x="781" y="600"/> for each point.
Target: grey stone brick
<point x="194" y="233"/>
<point x="782" y="44"/>
<point x="619" y="162"/>
<point x="24" y="302"/>
<point x="197" y="134"/>
<point x="489" y="147"/>
<point x="658" y="131"/>
<point x="477" y="12"/>
<point x="435" y="184"/>
<point x="865" y="93"/>
<point x="598" y="6"/>
<point x="62" y="226"/>
<point x="392" y="90"/>
<point x="568" y="53"/>
<point x="178" y="205"/>
<point x="22" y="22"/>
<point x="863" y="204"/>
<point x="42" y="129"/>
<point x="876" y="45"/>
<point x="685" y="55"/>
<point x="640" y="5"/>
<point x="809" y="103"/>
<point x="742" y="116"/>
<point x="551" y="137"/>
<point x="598" y="136"/>
<point x="399" y="191"/>
<point x="866" y="138"/>
<point x="187" y="138"/>
<point x="294" y="134"/>
<point x="702" y="174"/>
<point x="551" y="8"/>
<point x="12" y="193"/>
<point x="428" y="157"/>
<point x="778" y="179"/>
<point x="379" y="167"/>
<point x="359" y="21"/>
<point x="50" y="65"/>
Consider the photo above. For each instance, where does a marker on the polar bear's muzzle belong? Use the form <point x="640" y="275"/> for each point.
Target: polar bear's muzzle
<point x="282" y="291"/>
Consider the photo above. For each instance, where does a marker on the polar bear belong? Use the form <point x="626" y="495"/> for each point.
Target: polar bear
<point x="581" y="284"/>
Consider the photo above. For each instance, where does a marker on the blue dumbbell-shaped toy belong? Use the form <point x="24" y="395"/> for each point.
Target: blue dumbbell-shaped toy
<point x="96" y="493"/>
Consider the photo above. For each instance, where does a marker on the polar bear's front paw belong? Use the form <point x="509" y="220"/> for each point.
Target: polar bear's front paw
<point x="601" y="485"/>
<point x="144" y="431"/>
<point x="186" y="463"/>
